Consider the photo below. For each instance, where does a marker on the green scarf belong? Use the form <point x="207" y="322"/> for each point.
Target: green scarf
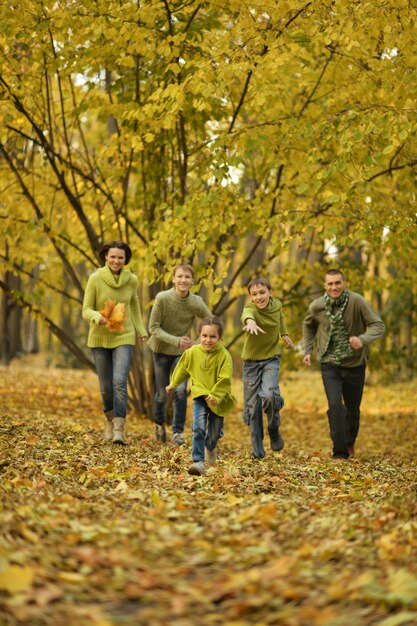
<point x="338" y="346"/>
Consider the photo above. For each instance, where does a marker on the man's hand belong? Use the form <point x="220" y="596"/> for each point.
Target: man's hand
<point x="356" y="343"/>
<point x="252" y="327"/>
<point x="168" y="388"/>
<point x="211" y="400"/>
<point x="185" y="343"/>
<point x="307" y="360"/>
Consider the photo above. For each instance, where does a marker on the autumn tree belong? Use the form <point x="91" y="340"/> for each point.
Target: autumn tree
<point x="244" y="137"/>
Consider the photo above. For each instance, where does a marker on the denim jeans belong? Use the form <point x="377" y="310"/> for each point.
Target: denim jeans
<point x="163" y="366"/>
<point x="344" y="389"/>
<point x="261" y="393"/>
<point x="207" y="429"/>
<point x="112" y="366"/>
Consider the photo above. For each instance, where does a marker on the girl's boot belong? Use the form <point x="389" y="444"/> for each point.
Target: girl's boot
<point x="118" y="430"/>
<point x="108" y="426"/>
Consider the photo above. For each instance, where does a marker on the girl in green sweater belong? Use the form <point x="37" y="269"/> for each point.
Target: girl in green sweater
<point x="209" y="367"/>
<point x="111" y="305"/>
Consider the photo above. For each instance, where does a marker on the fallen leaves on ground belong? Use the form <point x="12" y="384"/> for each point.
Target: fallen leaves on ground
<point x="94" y="534"/>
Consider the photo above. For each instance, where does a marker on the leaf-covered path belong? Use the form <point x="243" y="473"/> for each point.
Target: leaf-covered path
<point x="94" y="534"/>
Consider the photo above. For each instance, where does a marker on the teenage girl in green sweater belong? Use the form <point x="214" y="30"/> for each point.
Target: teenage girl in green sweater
<point x="113" y="333"/>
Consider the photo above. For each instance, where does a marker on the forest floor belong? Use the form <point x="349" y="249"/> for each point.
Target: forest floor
<point x="103" y="535"/>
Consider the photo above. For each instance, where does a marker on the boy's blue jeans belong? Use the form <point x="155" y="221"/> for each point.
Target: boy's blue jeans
<point x="163" y="366"/>
<point x="207" y="429"/>
<point x="261" y="393"/>
<point x="112" y="365"/>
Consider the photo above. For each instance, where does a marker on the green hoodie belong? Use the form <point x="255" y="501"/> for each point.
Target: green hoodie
<point x="101" y="286"/>
<point x="210" y="373"/>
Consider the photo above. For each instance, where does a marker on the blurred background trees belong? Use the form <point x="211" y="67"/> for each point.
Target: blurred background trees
<point x="246" y="138"/>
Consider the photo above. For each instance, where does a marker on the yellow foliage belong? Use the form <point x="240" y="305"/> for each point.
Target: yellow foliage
<point x="16" y="579"/>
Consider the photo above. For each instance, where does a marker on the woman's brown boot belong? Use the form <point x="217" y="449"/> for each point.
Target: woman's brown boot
<point x="118" y="430"/>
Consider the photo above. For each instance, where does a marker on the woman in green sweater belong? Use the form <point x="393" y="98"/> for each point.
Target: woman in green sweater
<point x="111" y="305"/>
<point x="209" y="366"/>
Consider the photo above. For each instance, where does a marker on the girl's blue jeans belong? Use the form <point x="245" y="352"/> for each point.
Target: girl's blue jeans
<point x="261" y="393"/>
<point x="207" y="429"/>
<point x="112" y="365"/>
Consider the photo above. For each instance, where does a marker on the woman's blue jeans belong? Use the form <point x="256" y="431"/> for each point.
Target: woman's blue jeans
<point x="207" y="429"/>
<point x="112" y="365"/>
<point x="261" y="393"/>
<point x="163" y="366"/>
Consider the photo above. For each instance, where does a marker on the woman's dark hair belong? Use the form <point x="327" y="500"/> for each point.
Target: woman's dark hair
<point x="212" y="320"/>
<point x="115" y="244"/>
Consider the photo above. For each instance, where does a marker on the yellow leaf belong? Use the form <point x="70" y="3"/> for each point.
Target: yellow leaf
<point x="71" y="577"/>
<point x="122" y="486"/>
<point x="15" y="579"/>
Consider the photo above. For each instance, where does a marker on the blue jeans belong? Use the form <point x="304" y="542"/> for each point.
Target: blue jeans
<point x="207" y="429"/>
<point x="163" y="366"/>
<point x="112" y="365"/>
<point x="261" y="393"/>
<point x="344" y="390"/>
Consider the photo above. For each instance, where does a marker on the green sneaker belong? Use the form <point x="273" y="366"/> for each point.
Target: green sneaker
<point x="160" y="433"/>
<point x="177" y="439"/>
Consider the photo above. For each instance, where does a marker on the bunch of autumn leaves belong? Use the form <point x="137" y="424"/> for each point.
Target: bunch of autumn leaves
<point x="115" y="315"/>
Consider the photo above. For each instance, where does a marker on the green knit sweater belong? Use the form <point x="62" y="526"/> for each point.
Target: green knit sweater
<point x="171" y="318"/>
<point x="271" y="320"/>
<point x="101" y="286"/>
<point x="210" y="373"/>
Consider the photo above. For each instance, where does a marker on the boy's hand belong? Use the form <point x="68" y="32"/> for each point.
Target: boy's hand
<point x="307" y="360"/>
<point x="211" y="400"/>
<point x="169" y="388"/>
<point x="288" y="342"/>
<point x="252" y="327"/>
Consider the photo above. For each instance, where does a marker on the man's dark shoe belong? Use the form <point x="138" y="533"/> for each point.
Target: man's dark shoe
<point x="277" y="442"/>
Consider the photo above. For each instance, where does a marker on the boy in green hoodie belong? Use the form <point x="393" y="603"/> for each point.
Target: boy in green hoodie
<point x="264" y="324"/>
<point x="209" y="367"/>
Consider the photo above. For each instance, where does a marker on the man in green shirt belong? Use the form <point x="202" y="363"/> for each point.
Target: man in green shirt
<point x="172" y="316"/>
<point x="343" y="325"/>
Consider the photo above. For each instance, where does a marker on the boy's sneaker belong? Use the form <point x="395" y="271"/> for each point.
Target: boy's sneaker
<point x="160" y="433"/>
<point x="197" y="469"/>
<point x="277" y="442"/>
<point x="211" y="456"/>
<point x="177" y="439"/>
